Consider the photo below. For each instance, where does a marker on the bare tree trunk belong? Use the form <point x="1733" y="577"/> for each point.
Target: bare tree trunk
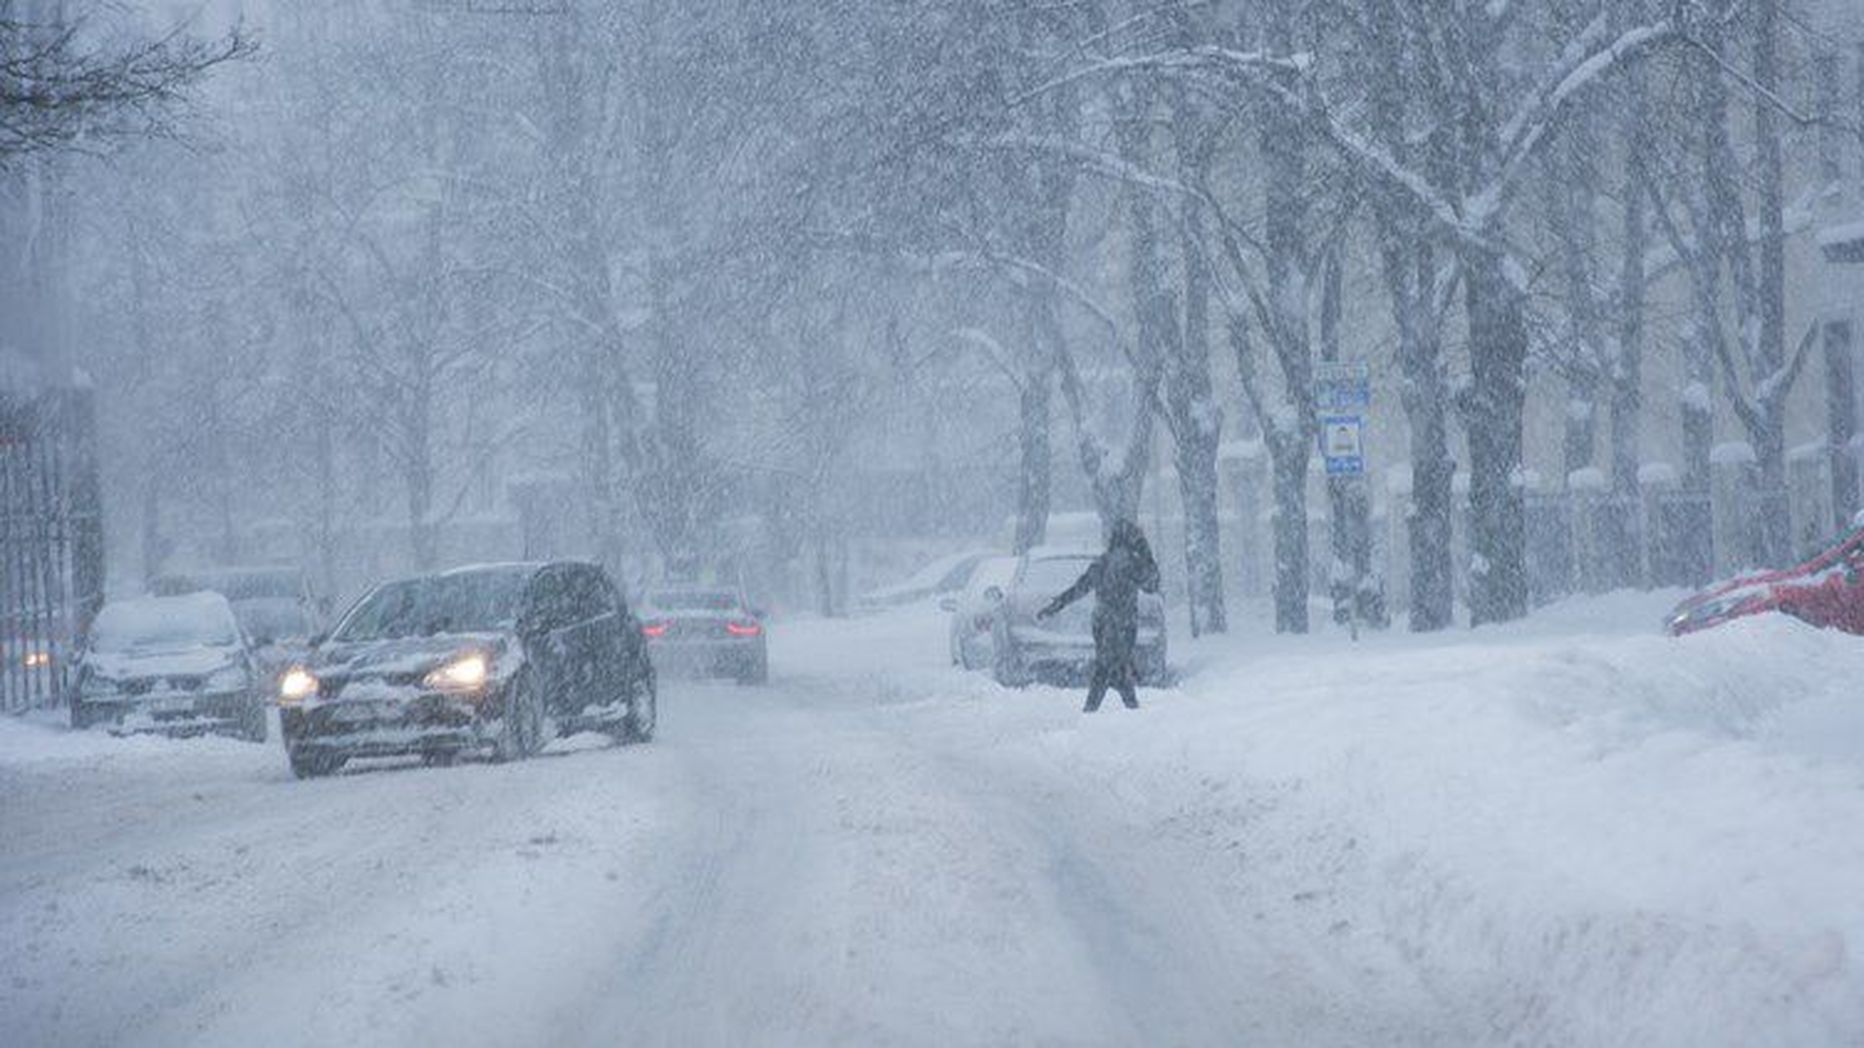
<point x="1571" y="181"/>
<point x="1197" y="431"/>
<point x="1035" y="460"/>
<point x="154" y="544"/>
<point x="1286" y="195"/>
<point x="1775" y="529"/>
<point x="325" y="454"/>
<point x="1289" y="468"/>
<point x="418" y="473"/>
<point x="1433" y="495"/>
<point x="1625" y="362"/>
<point x="1841" y="422"/>
<point x="1493" y="416"/>
<point x="824" y="574"/>
<point x="1195" y="421"/>
<point x="1155" y="313"/>
<point x="1410" y="270"/>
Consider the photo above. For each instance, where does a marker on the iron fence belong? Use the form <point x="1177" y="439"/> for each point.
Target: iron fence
<point x="51" y="549"/>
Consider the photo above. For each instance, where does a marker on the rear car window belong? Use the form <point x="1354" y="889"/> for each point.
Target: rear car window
<point x="693" y="600"/>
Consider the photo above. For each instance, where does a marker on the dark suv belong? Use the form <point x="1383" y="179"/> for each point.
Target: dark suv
<point x="497" y="659"/>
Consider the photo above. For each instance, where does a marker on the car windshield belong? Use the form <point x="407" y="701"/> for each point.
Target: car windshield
<point x="477" y="602"/>
<point x="694" y="600"/>
<point x="997" y="571"/>
<point x="1051" y="575"/>
<point x="164" y="624"/>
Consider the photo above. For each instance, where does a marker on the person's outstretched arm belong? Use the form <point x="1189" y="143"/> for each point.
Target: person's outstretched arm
<point x="1081" y="588"/>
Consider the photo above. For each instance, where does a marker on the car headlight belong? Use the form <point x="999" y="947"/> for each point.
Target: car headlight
<point x="231" y="678"/>
<point x="297" y="685"/>
<point x="467" y="672"/>
<point x="37" y="660"/>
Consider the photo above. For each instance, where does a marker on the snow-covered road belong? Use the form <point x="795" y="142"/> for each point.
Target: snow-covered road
<point x="1569" y="833"/>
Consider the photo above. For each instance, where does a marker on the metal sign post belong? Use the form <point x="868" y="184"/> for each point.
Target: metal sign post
<point x="1342" y="396"/>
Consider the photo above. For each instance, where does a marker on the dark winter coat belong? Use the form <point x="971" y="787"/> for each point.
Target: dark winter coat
<point x="1115" y="578"/>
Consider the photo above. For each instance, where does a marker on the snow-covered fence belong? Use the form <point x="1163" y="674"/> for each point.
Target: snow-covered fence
<point x="1581" y="537"/>
<point x="1809" y="497"/>
<point x="1734" y="482"/>
<point x="51" y="539"/>
<point x="1673" y="522"/>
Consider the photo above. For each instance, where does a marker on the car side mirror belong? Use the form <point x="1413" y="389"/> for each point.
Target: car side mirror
<point x="948" y="604"/>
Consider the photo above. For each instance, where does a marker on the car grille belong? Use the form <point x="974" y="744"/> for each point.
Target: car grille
<point x="145" y="685"/>
<point x="330" y="687"/>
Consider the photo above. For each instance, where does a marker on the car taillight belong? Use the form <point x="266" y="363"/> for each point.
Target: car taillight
<point x="655" y="629"/>
<point x="743" y="629"/>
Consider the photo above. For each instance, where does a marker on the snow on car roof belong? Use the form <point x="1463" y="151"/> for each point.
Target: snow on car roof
<point x="933" y="572"/>
<point x="1061" y="553"/>
<point x="523" y="566"/>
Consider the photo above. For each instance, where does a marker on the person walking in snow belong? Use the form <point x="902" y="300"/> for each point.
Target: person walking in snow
<point x="1115" y="578"/>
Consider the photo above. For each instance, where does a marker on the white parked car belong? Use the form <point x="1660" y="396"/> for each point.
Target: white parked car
<point x="941" y="578"/>
<point x="174" y="665"/>
<point x="1020" y="650"/>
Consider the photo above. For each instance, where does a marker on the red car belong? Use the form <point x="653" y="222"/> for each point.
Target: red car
<point x="1826" y="591"/>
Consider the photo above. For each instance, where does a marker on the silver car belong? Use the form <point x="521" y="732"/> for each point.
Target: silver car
<point x="1060" y="649"/>
<point x="173" y="665"/>
<point x="705" y="632"/>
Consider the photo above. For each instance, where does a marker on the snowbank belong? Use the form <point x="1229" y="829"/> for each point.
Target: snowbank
<point x="1583" y="834"/>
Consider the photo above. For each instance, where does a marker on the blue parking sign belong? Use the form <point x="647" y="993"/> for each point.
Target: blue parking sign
<point x="1342" y="444"/>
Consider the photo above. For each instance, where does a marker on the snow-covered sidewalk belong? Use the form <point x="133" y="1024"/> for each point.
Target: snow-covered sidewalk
<point x="1573" y="831"/>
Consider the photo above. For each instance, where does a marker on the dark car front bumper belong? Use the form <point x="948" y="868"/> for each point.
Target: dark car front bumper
<point x="179" y="714"/>
<point x="383" y="724"/>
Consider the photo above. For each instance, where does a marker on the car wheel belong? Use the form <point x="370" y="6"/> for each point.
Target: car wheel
<point x="643" y="712"/>
<point x="521" y="734"/>
<point x="313" y="765"/>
